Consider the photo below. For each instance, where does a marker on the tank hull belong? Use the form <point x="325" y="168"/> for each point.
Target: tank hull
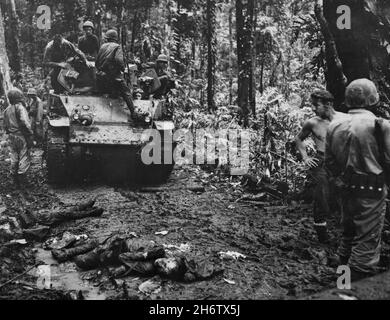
<point x="114" y="165"/>
<point x="106" y="149"/>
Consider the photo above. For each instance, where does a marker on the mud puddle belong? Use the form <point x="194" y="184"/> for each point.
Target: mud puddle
<point x="65" y="277"/>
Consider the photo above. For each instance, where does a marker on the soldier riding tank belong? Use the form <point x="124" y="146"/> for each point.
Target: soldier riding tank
<point x="90" y="137"/>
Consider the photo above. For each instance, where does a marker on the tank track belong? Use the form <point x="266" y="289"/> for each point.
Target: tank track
<point x="56" y="156"/>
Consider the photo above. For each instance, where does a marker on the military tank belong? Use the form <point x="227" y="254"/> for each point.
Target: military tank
<point x="91" y="137"/>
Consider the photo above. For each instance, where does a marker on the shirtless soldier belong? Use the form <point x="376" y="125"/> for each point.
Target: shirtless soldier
<point x="317" y="127"/>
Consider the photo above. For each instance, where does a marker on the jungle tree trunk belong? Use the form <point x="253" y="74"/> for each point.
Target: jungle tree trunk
<point x="273" y="76"/>
<point x="202" y="72"/>
<point x="94" y="14"/>
<point x="261" y="87"/>
<point x="252" y="88"/>
<point x="71" y="22"/>
<point x="334" y="75"/>
<point x="231" y="56"/>
<point x="211" y="53"/>
<point x="90" y="14"/>
<point x="5" y="80"/>
<point x="122" y="29"/>
<point x="32" y="52"/>
<point x="362" y="49"/>
<point x="244" y="19"/>
<point x="13" y="45"/>
<point x="98" y="24"/>
<point x="134" y="30"/>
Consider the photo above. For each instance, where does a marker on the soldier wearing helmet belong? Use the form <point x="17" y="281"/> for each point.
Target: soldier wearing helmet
<point x="110" y="66"/>
<point x="354" y="160"/>
<point x="36" y="114"/>
<point x="163" y="80"/>
<point x="89" y="43"/>
<point x="20" y="135"/>
<point x="162" y="63"/>
<point x="322" y="106"/>
<point x="57" y="53"/>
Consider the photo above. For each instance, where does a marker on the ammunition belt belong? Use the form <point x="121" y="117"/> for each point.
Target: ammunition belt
<point x="366" y="185"/>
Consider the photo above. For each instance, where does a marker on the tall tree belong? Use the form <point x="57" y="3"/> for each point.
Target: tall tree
<point x="252" y="24"/>
<point x="334" y="74"/>
<point x="72" y="14"/>
<point x="94" y="12"/>
<point x="363" y="47"/>
<point x="244" y="22"/>
<point x="13" y="45"/>
<point x="231" y="76"/>
<point x="211" y="53"/>
<point x="5" y="80"/>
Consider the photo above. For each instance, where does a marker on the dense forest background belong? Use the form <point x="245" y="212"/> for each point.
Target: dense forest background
<point x="239" y="63"/>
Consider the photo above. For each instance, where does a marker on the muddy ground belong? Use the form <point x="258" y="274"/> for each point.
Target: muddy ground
<point x="283" y="259"/>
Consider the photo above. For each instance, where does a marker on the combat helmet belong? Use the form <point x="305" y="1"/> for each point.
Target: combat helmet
<point x="15" y="96"/>
<point x="162" y="58"/>
<point x="88" y="24"/>
<point x="111" y="35"/>
<point x="361" y="93"/>
<point x="32" y="92"/>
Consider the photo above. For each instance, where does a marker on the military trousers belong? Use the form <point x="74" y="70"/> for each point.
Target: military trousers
<point x="115" y="85"/>
<point x="20" y="154"/>
<point x="321" y="192"/>
<point x="363" y="221"/>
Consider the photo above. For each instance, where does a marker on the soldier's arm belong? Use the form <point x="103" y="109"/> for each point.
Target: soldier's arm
<point x="301" y="146"/>
<point x="77" y="52"/>
<point x="80" y="54"/>
<point x="47" y="58"/>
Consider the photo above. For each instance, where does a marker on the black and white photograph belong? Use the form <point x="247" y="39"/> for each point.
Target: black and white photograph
<point x="191" y="156"/>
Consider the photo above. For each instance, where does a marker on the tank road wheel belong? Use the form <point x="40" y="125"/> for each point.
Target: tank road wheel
<point x="56" y="155"/>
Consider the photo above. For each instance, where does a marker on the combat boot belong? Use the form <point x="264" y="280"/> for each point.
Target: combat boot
<point x="322" y="233"/>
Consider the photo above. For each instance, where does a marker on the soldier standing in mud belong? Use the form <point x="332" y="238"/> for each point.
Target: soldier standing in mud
<point x="358" y="159"/>
<point x="322" y="102"/>
<point x="20" y="136"/>
<point x="165" y="79"/>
